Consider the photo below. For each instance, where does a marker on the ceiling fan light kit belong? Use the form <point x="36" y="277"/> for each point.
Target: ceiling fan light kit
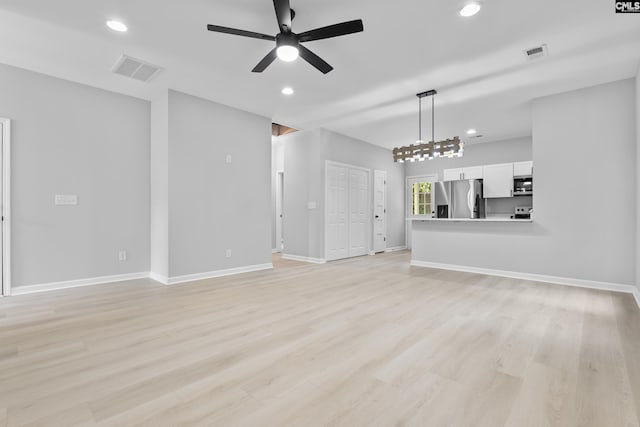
<point x="420" y="151"/>
<point x="288" y="44"/>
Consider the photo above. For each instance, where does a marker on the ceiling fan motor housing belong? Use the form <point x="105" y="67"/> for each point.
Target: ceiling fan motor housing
<point x="287" y="39"/>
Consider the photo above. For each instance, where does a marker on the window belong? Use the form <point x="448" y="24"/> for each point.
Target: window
<point x="421" y="192"/>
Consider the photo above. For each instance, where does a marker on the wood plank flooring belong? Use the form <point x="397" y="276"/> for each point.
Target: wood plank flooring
<point x="363" y="342"/>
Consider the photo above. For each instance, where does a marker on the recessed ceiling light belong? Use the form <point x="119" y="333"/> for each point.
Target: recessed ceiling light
<point x="471" y="132"/>
<point x="287" y="91"/>
<point x="117" y="26"/>
<point x="470" y="10"/>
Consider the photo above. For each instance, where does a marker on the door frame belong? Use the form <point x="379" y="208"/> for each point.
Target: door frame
<point x="373" y="234"/>
<point x="326" y="204"/>
<point x="409" y="218"/>
<point x="6" y="206"/>
<point x="279" y="211"/>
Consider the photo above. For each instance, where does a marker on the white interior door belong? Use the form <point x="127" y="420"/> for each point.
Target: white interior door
<point x="3" y="288"/>
<point x="5" y="209"/>
<point x="337" y="237"/>
<point x="358" y="212"/>
<point x="279" y="204"/>
<point x="379" y="211"/>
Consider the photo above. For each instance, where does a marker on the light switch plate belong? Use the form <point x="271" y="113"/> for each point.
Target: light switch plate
<point x="66" y="199"/>
<point x="229" y="158"/>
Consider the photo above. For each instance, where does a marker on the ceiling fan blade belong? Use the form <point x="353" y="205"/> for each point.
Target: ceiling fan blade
<point x="283" y="14"/>
<point x="314" y="60"/>
<point x="266" y="61"/>
<point x="236" y="32"/>
<point x="335" y="30"/>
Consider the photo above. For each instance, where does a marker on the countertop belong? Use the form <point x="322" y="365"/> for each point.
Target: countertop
<point x="490" y="219"/>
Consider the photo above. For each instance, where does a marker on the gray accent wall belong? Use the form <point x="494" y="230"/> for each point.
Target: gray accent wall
<point x="215" y="205"/>
<point x="584" y="145"/>
<point x="68" y="138"/>
<point x="305" y="154"/>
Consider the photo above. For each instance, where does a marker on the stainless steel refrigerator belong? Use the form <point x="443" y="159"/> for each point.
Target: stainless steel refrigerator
<point x="441" y="199"/>
<point x="466" y="199"/>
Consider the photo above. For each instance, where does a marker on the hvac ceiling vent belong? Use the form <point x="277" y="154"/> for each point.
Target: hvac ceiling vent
<point x="536" y="52"/>
<point x="136" y="69"/>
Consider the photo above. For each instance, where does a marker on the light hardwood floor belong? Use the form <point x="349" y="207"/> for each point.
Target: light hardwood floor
<point x="363" y="342"/>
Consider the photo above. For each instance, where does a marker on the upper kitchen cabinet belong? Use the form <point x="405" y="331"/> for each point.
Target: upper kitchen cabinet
<point x="523" y="168"/>
<point x="452" y="174"/>
<point x="498" y="180"/>
<point x="474" y="172"/>
<point x="458" y="174"/>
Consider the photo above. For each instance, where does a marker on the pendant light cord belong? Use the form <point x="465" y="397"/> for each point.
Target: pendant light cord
<point x="420" y="119"/>
<point x="433" y="118"/>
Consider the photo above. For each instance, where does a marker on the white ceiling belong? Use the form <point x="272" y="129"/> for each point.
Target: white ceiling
<point x="408" y="46"/>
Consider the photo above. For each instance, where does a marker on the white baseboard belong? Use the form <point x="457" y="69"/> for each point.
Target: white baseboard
<point x="30" y="289"/>
<point x="218" y="273"/>
<point x="159" y="278"/>
<point x="275" y="250"/>
<point x="566" y="281"/>
<point x="396" y="248"/>
<point x="304" y="259"/>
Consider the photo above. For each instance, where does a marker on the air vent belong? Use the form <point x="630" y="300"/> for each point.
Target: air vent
<point x="475" y="136"/>
<point x="536" y="52"/>
<point x="136" y="69"/>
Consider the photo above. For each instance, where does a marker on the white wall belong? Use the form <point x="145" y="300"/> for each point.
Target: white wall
<point x="73" y="139"/>
<point x="305" y="156"/>
<point x="214" y="205"/>
<point x="584" y="220"/>
<point x="638" y="179"/>
<point x="159" y="214"/>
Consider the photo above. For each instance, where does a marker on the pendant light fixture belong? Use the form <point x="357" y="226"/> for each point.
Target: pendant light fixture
<point x="420" y="150"/>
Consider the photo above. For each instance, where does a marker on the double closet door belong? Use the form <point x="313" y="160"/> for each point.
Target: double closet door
<point x="347" y="220"/>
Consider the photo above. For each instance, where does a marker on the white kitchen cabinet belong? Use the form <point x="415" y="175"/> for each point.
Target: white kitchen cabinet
<point x="458" y="174"/>
<point x="474" y="172"/>
<point x="523" y="168"/>
<point x="498" y="181"/>
<point x="453" y="174"/>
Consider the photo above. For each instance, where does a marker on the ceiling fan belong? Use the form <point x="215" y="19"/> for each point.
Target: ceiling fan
<point x="288" y="44"/>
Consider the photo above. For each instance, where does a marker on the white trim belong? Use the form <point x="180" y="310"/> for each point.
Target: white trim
<point x="279" y="211"/>
<point x="6" y="206"/>
<point x="407" y="222"/>
<point x="159" y="278"/>
<point x="218" y="273"/>
<point x="30" y="289"/>
<point x="345" y="165"/>
<point x="565" y="281"/>
<point x="304" y="259"/>
<point x="275" y="250"/>
<point x="396" y="248"/>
